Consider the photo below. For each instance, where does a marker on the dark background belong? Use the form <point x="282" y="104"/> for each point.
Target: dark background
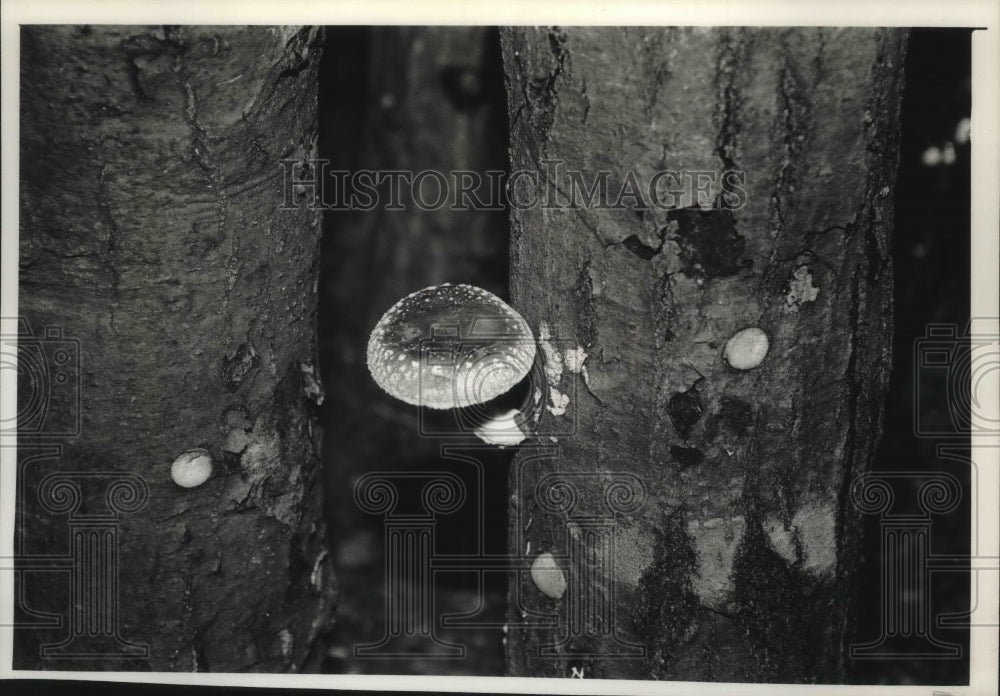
<point x="931" y="265"/>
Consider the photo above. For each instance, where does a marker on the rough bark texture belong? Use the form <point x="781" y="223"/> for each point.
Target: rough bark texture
<point x="151" y="232"/>
<point x="737" y="562"/>
<point x="418" y="98"/>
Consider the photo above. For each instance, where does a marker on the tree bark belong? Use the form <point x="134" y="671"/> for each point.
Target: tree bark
<point x="734" y="559"/>
<point x="152" y="232"/>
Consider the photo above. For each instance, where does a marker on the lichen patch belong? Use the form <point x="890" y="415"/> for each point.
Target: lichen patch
<point x="633" y="555"/>
<point x="801" y="288"/>
<point x="809" y="539"/>
<point x="781" y="539"/>
<point x="552" y="356"/>
<point x="817" y="526"/>
<point x="575" y="357"/>
<point x="558" y="402"/>
<point x="715" y="542"/>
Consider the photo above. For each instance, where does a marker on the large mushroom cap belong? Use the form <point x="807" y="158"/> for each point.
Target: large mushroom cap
<point x="450" y="346"/>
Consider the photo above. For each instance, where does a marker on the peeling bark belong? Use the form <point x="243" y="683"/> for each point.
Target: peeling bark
<point x="737" y="565"/>
<point x="151" y="231"/>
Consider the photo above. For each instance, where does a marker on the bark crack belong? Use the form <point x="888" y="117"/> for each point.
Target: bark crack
<point x="730" y="55"/>
<point x="583" y="290"/>
<point x="541" y="95"/>
<point x="111" y="248"/>
<point x="853" y="391"/>
<point x="794" y="122"/>
<point x="206" y="159"/>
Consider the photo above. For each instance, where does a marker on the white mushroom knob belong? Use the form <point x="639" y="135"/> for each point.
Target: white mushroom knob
<point x="192" y="468"/>
<point x="548" y="576"/>
<point x="450" y="346"/>
<point x="747" y="348"/>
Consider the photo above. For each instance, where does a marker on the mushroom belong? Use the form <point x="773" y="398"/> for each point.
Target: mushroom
<point x="191" y="468"/>
<point x="450" y="346"/>
<point x="548" y="576"/>
<point x="502" y="429"/>
<point x="746" y="349"/>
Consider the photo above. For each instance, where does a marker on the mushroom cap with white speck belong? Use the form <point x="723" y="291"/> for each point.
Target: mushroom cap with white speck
<point x="747" y="349"/>
<point x="450" y="346"/>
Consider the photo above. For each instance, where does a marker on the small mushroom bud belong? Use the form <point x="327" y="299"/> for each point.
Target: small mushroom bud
<point x="548" y="576"/>
<point x="450" y="346"/>
<point x="192" y="468"/>
<point x="747" y="348"/>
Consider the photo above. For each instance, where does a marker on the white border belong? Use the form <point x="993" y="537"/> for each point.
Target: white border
<point x="985" y="253"/>
<point x="985" y="302"/>
<point x="956" y="13"/>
